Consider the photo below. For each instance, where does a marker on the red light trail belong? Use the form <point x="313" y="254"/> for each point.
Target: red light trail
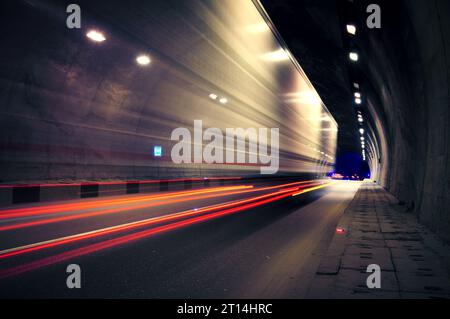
<point x="158" y="225"/>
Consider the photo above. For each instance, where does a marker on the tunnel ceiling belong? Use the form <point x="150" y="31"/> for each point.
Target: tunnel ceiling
<point x="313" y="33"/>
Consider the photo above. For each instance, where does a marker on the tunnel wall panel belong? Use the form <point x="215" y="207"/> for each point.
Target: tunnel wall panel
<point x="409" y="75"/>
<point x="77" y="110"/>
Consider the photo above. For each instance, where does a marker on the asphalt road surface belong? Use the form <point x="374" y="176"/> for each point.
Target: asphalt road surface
<point x="231" y="241"/>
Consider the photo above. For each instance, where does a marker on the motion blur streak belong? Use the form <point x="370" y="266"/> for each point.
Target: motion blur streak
<point x="128" y="226"/>
<point x="313" y="188"/>
<point x="111" y="211"/>
<point x="141" y="182"/>
<point x="23" y="212"/>
<point x="197" y="48"/>
<point x="128" y="238"/>
<point x="127" y="208"/>
<point x="48" y="209"/>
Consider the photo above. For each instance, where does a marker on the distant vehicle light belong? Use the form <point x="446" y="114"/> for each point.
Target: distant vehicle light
<point x="143" y="60"/>
<point x="340" y="230"/>
<point x="96" y="36"/>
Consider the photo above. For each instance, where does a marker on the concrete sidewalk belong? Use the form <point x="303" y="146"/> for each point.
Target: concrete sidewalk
<point x="414" y="263"/>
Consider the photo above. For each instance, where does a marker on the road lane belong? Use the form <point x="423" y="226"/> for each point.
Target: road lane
<point x="52" y="221"/>
<point x="283" y="234"/>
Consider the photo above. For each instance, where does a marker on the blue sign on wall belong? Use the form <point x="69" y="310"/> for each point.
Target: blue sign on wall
<point x="157" y="151"/>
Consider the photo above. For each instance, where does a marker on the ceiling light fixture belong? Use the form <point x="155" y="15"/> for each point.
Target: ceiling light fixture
<point x="143" y="60"/>
<point x="96" y="36"/>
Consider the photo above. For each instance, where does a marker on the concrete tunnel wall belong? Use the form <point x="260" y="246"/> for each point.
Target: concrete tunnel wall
<point x="406" y="66"/>
<point x="74" y="110"/>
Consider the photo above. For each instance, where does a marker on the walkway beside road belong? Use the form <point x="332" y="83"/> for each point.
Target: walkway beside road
<point x="376" y="230"/>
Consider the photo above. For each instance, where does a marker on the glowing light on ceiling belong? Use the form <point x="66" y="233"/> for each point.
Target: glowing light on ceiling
<point x="354" y="56"/>
<point x="351" y="29"/>
<point x="143" y="60"/>
<point x="96" y="36"/>
<point x="213" y="96"/>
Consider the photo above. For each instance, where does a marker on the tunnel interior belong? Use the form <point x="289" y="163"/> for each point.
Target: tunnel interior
<point x="403" y="76"/>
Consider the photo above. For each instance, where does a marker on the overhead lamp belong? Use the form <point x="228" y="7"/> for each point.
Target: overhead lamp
<point x="357" y="95"/>
<point x="213" y="96"/>
<point x="358" y="101"/>
<point x="351" y="29"/>
<point x="223" y="100"/>
<point x="353" y="56"/>
<point x="143" y="60"/>
<point x="96" y="36"/>
<point x="361" y="131"/>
